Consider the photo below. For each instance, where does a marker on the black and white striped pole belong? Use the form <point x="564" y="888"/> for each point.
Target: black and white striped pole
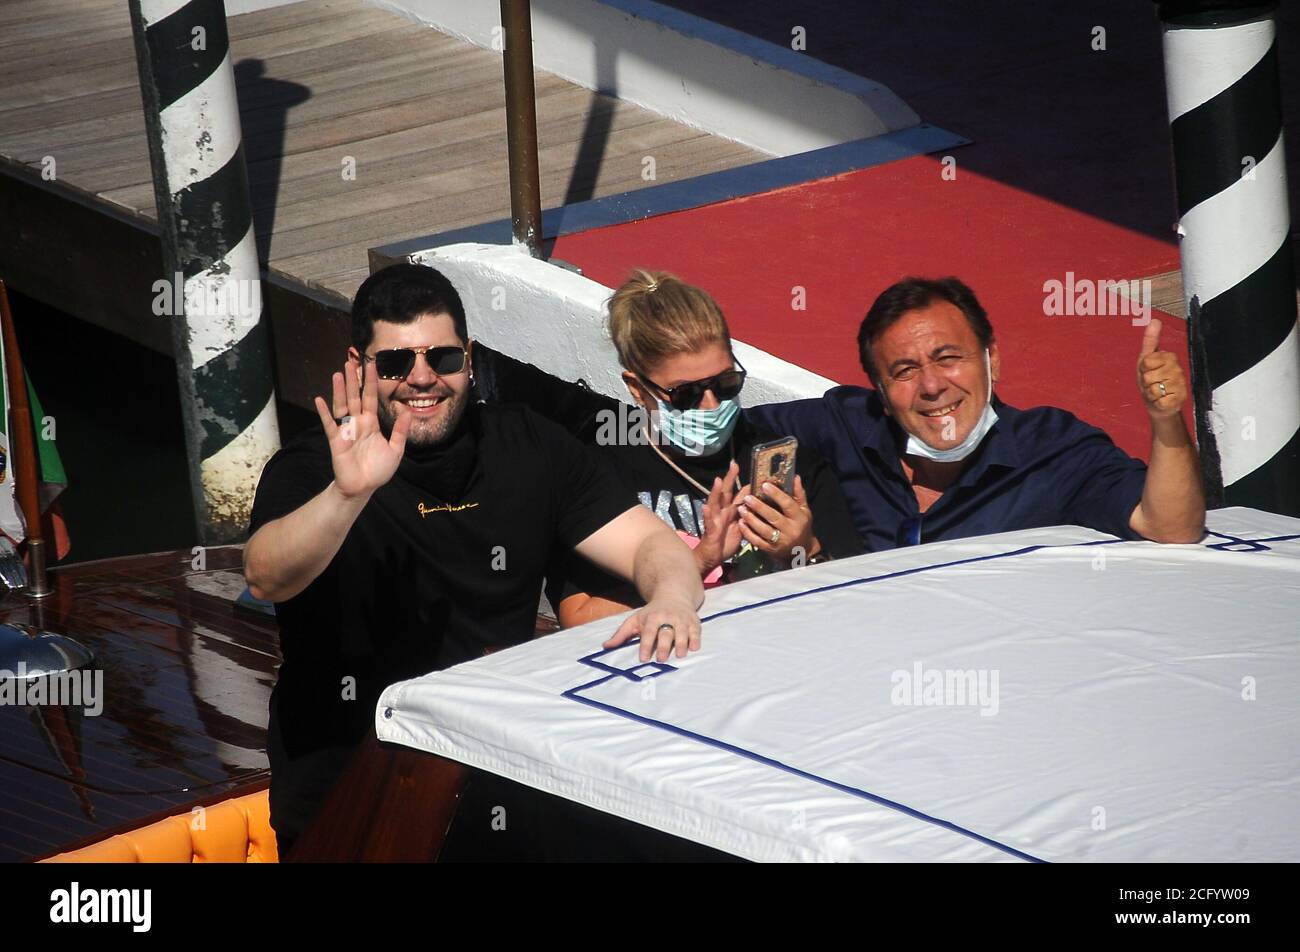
<point x="213" y="292"/>
<point x="1225" y="113"/>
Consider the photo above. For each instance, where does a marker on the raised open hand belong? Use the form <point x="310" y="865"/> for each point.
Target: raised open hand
<point x="721" y="537"/>
<point x="363" y="458"/>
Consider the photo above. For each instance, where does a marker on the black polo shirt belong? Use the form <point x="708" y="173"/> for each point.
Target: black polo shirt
<point x="1039" y="467"/>
<point x="425" y="579"/>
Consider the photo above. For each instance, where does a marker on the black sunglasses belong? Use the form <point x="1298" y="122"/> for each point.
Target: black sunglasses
<point x="688" y="396"/>
<point x="397" y="363"/>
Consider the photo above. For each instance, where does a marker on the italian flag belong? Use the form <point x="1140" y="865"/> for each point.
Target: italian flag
<point x="48" y="465"/>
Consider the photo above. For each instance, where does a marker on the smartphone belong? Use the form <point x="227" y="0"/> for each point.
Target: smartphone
<point x="773" y="463"/>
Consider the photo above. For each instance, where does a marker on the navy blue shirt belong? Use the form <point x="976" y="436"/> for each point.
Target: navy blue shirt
<point x="1039" y="467"/>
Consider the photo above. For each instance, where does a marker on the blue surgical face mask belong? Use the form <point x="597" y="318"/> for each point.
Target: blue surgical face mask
<point x="917" y="447"/>
<point x="698" y="432"/>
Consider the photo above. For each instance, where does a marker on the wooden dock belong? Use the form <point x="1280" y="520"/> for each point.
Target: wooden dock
<point x="323" y="85"/>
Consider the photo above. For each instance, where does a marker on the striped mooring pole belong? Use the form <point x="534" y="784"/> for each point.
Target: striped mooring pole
<point x="1225" y="113"/>
<point x="212" y="294"/>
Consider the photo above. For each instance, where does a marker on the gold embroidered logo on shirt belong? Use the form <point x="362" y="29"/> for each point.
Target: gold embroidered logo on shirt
<point x="425" y="510"/>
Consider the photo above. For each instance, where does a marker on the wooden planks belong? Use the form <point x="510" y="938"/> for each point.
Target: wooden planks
<point x="420" y="114"/>
<point x="1167" y="288"/>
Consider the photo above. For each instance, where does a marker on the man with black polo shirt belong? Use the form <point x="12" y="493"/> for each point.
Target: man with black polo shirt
<point x="932" y="454"/>
<point x="414" y="533"/>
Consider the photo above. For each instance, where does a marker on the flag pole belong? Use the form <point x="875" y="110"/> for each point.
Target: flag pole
<point x="521" y="126"/>
<point x="22" y="452"/>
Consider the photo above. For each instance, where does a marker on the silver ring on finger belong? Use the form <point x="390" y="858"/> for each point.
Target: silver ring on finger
<point x="671" y="628"/>
<point x="776" y="536"/>
<point x="1164" y="391"/>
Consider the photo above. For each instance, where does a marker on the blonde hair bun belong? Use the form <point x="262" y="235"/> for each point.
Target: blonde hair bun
<point x="655" y="315"/>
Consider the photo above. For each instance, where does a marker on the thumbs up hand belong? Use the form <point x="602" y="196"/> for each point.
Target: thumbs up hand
<point x="1159" y="376"/>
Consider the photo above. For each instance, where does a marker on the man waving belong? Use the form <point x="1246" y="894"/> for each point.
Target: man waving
<point x="414" y="533"/>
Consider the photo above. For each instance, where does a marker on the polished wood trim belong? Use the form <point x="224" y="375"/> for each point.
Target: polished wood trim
<point x="186" y="675"/>
<point x="393" y="804"/>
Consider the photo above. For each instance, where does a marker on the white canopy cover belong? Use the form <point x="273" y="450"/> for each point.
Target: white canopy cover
<point x="1053" y="694"/>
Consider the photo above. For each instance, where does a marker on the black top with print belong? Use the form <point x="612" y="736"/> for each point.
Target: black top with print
<point x="680" y="504"/>
<point x="594" y="417"/>
<point x="420" y="583"/>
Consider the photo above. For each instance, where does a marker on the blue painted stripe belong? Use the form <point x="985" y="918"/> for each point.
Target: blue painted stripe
<point x="769" y="762"/>
<point x="1252" y="545"/>
<point x="912" y="571"/>
<point x="701" y="190"/>
<point x="591" y="660"/>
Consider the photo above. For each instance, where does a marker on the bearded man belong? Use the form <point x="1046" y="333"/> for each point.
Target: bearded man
<point x="414" y="533"/>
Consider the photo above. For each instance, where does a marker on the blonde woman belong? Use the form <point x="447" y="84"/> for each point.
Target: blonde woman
<point x="686" y="454"/>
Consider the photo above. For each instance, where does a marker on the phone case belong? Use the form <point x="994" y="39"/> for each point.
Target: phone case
<point x="774" y="463"/>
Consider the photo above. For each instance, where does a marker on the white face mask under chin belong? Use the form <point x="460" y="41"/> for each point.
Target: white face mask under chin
<point x="954" y="454"/>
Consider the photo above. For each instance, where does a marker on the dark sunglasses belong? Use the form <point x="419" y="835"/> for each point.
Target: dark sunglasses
<point x="688" y="396"/>
<point x="397" y="363"/>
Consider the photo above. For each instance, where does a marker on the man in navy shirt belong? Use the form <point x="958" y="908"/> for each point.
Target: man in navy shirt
<point x="932" y="454"/>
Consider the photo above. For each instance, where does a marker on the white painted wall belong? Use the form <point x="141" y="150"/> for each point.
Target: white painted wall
<point x="696" y="72"/>
<point x="555" y="319"/>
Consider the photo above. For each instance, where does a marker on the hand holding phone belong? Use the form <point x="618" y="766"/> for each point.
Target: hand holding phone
<point x="773" y="463"/>
<point x="781" y="528"/>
